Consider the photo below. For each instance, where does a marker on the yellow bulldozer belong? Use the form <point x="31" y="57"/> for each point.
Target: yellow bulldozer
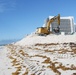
<point x="46" y="30"/>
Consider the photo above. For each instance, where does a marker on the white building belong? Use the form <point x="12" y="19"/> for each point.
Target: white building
<point x="66" y="24"/>
<point x="74" y="27"/>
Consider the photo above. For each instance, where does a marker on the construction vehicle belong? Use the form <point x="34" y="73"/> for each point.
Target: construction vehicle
<point x="46" y="30"/>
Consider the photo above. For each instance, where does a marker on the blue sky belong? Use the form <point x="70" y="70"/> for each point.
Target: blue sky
<point x="21" y="17"/>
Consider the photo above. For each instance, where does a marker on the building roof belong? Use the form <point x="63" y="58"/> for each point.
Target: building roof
<point x="68" y="17"/>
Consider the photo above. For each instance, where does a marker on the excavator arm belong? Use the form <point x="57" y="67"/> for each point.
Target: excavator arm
<point x="52" y="20"/>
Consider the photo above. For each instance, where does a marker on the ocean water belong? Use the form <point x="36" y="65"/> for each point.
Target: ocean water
<point x="5" y="42"/>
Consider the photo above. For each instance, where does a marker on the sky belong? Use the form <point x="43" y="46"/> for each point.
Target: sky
<point x="21" y="17"/>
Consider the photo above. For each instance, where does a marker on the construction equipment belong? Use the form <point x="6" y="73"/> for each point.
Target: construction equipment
<point x="46" y="30"/>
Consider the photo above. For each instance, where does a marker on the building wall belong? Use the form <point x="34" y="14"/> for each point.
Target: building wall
<point x="66" y="25"/>
<point x="75" y="27"/>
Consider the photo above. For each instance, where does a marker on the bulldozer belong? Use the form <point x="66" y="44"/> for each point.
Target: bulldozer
<point x="46" y="29"/>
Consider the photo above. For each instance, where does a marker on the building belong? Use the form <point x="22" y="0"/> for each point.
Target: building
<point x="74" y="27"/>
<point x="66" y="24"/>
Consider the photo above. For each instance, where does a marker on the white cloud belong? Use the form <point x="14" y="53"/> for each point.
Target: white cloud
<point x="7" y="5"/>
